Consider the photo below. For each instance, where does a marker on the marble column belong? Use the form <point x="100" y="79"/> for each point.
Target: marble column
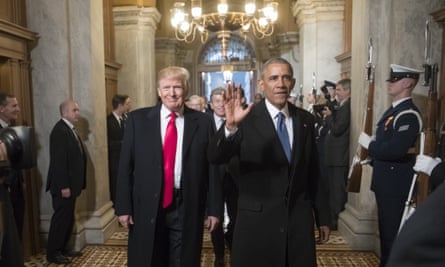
<point x="167" y="53"/>
<point x="135" y="29"/>
<point x="320" y="25"/>
<point x="397" y="30"/>
<point x="68" y="62"/>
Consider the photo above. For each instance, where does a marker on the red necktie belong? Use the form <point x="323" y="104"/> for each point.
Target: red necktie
<point x="171" y="137"/>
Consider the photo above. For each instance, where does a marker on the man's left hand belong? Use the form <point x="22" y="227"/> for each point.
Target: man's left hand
<point x="212" y="222"/>
<point x="324" y="232"/>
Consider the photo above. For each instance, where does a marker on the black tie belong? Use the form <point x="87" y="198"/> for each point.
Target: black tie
<point x="79" y="142"/>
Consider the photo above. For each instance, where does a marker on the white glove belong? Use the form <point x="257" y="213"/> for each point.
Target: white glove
<point x="426" y="164"/>
<point x="364" y="140"/>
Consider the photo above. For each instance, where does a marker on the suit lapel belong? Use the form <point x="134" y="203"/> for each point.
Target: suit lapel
<point x="265" y="126"/>
<point x="297" y="127"/>
<point x="190" y="126"/>
<point x="300" y="138"/>
<point x="152" y="127"/>
<point x="74" y="137"/>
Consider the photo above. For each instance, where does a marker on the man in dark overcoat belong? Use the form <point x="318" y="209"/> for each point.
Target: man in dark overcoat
<point x="164" y="233"/>
<point x="276" y="190"/>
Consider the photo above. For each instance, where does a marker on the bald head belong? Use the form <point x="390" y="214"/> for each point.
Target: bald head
<point x="69" y="110"/>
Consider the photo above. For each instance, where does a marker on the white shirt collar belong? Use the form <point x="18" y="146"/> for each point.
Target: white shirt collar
<point x="68" y="123"/>
<point x="118" y="118"/>
<point x="165" y="112"/>
<point x="3" y="123"/>
<point x="395" y="103"/>
<point x="217" y="118"/>
<point x="273" y="111"/>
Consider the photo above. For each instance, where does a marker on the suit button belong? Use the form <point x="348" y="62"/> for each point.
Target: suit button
<point x="156" y="195"/>
<point x="281" y="230"/>
<point x="152" y="221"/>
<point x="391" y="168"/>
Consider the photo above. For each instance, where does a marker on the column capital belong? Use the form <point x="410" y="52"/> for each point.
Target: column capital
<point x="132" y="15"/>
<point x="311" y="11"/>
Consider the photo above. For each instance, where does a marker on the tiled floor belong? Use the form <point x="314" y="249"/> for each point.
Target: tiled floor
<point x="335" y="253"/>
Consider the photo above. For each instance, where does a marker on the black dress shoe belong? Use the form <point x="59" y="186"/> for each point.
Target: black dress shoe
<point x="58" y="259"/>
<point x="72" y="254"/>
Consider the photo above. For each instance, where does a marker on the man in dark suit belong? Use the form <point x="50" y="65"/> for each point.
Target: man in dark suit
<point x="392" y="162"/>
<point x="421" y="241"/>
<point x="161" y="192"/>
<point x="13" y="182"/>
<point x="115" y="132"/>
<point x="230" y="194"/>
<point x="277" y="175"/>
<point x="336" y="148"/>
<point x="66" y="179"/>
<point x="11" y="252"/>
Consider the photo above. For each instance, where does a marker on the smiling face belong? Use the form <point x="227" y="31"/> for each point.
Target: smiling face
<point x="172" y="93"/>
<point x="276" y="83"/>
<point x="217" y="105"/>
<point x="173" y="87"/>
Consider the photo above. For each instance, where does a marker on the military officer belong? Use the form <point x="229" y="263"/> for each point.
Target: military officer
<point x="396" y="134"/>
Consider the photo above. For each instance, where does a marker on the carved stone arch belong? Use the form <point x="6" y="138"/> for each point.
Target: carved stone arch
<point x="240" y="57"/>
<point x="211" y="51"/>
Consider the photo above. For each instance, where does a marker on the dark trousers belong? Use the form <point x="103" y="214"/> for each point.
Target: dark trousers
<point x="219" y="238"/>
<point x="61" y="226"/>
<point x="168" y="237"/>
<point x="390" y="210"/>
<point x="15" y="189"/>
<point x="10" y="245"/>
<point x="337" y="179"/>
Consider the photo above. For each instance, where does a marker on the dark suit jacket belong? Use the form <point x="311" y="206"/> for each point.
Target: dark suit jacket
<point x="421" y="242"/>
<point x="336" y="150"/>
<point x="274" y="217"/>
<point x="67" y="166"/>
<point x="115" y="133"/>
<point x="140" y="183"/>
<point x="392" y="165"/>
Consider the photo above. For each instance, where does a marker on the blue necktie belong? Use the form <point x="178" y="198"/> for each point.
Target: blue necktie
<point x="283" y="135"/>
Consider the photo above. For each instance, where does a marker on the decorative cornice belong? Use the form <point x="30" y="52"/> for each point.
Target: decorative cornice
<point x="20" y="40"/>
<point x="166" y="44"/>
<point x="311" y="11"/>
<point x="288" y="38"/>
<point x="439" y="16"/>
<point x="131" y="15"/>
<point x="17" y="31"/>
<point x="146" y="3"/>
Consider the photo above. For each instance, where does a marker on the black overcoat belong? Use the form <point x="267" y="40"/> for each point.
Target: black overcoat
<point x="140" y="183"/>
<point x="274" y="216"/>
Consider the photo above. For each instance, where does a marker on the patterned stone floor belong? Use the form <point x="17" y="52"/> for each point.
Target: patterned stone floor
<point x="335" y="253"/>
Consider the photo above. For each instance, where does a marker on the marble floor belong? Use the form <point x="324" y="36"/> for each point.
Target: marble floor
<point x="335" y="253"/>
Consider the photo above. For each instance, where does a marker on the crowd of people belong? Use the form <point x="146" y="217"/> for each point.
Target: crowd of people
<point x="260" y="175"/>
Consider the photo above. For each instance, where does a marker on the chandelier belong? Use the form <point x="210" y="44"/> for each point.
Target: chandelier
<point x="224" y="20"/>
